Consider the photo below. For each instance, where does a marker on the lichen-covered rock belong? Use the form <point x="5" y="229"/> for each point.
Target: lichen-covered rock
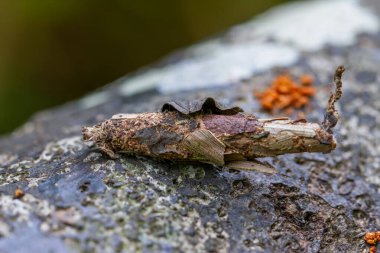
<point x="78" y="200"/>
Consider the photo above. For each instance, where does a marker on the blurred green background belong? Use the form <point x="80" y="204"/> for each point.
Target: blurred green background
<point x="55" y="51"/>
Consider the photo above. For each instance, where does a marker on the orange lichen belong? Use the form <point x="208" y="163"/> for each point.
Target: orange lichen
<point x="287" y="94"/>
<point x="18" y="193"/>
<point x="372" y="238"/>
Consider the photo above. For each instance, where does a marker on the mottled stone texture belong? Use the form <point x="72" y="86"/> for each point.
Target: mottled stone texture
<point x="78" y="200"/>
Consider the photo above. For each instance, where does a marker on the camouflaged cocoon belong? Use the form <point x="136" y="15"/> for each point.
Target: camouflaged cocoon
<point x="204" y="131"/>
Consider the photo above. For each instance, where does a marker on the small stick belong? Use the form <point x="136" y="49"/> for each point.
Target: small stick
<point x="203" y="131"/>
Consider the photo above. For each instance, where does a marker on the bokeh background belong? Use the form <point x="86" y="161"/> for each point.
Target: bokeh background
<point x="56" y="51"/>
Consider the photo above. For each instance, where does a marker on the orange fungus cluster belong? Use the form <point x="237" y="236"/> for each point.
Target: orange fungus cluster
<point x="18" y="193"/>
<point x="372" y="238"/>
<point x="287" y="94"/>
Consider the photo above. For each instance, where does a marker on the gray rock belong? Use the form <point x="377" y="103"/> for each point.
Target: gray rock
<point x="77" y="200"/>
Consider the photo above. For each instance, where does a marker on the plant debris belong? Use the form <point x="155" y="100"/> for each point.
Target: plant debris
<point x="332" y="115"/>
<point x="204" y="131"/>
<point x="287" y="94"/>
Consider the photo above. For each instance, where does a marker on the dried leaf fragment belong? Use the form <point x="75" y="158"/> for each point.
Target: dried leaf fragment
<point x="203" y="144"/>
<point x="206" y="105"/>
<point x="251" y="166"/>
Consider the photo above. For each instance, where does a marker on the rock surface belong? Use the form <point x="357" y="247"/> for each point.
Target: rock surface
<point x="78" y="200"/>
